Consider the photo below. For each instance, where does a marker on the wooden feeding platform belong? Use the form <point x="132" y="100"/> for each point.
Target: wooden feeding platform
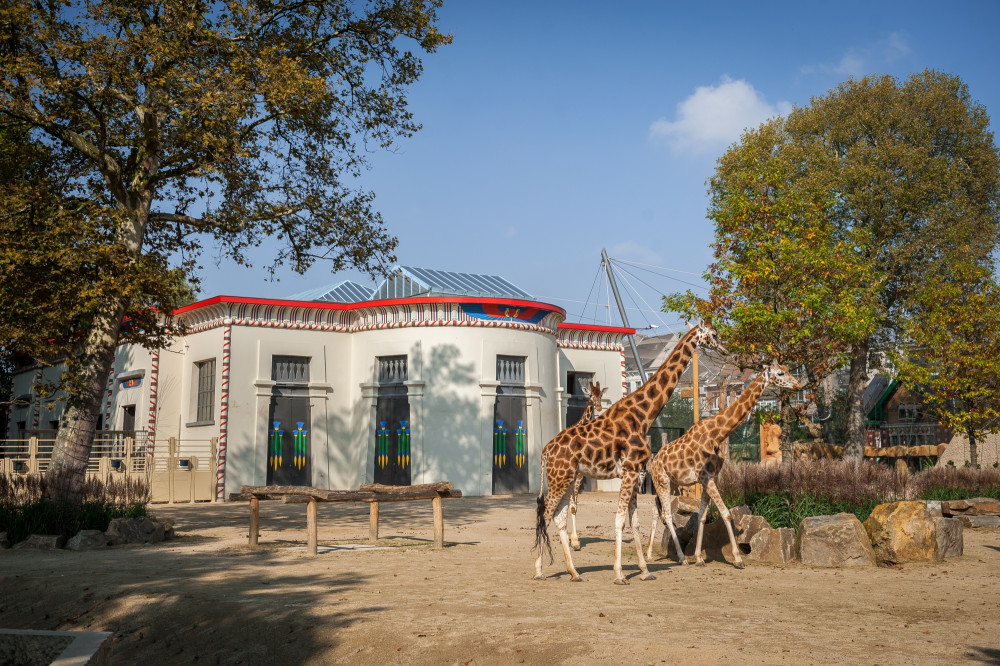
<point x="373" y="493"/>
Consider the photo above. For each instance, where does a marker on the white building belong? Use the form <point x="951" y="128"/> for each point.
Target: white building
<point x="432" y="376"/>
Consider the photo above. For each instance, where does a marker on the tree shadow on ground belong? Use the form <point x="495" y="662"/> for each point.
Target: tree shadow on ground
<point x="203" y="608"/>
<point x="984" y="654"/>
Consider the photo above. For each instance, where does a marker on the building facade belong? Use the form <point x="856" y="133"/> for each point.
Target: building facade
<point x="411" y="384"/>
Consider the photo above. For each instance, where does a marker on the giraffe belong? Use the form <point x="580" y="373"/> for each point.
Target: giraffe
<point x="589" y="413"/>
<point x="698" y="456"/>
<point x="612" y="445"/>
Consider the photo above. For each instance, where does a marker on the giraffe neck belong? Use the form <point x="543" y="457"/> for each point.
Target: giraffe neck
<point x="647" y="401"/>
<point x="734" y="414"/>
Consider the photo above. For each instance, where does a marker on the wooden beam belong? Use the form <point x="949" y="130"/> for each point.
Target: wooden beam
<point x="438" y="522"/>
<point x="380" y="488"/>
<point x="373" y="522"/>
<point x="254" y="521"/>
<point x="311" y="527"/>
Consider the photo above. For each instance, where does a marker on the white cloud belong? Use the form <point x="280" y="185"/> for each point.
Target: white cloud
<point x="633" y="251"/>
<point x="861" y="60"/>
<point x="715" y="116"/>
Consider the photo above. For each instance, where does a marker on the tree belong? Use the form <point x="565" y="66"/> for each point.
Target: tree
<point x="952" y="358"/>
<point x="784" y="284"/>
<point x="901" y="177"/>
<point x="173" y="123"/>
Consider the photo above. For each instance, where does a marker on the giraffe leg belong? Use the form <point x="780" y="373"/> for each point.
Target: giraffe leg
<point x="716" y="496"/>
<point x="629" y="480"/>
<point x="666" y="514"/>
<point x="560" y="521"/>
<point x="637" y="538"/>
<point x="554" y="507"/>
<point x="702" y="515"/>
<point x="574" y="539"/>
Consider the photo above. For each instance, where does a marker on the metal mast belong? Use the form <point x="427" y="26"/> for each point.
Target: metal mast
<point x="621" y="310"/>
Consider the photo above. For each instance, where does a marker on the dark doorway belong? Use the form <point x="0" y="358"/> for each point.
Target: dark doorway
<point x="393" y="459"/>
<point x="289" y="442"/>
<point x="510" y="433"/>
<point x="578" y="385"/>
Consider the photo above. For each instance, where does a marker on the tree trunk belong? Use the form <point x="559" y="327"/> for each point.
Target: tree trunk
<point x="973" y="449"/>
<point x="67" y="469"/>
<point x="821" y="406"/>
<point x="854" y="447"/>
<point x="787" y="419"/>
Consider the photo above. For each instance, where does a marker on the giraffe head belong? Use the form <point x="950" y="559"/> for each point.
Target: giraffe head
<point x="778" y="375"/>
<point x="706" y="336"/>
<point x="597" y="393"/>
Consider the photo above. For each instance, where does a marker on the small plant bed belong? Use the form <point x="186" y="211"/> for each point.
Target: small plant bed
<point x="25" y="511"/>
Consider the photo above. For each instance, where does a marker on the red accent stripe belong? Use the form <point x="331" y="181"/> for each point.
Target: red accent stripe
<point x="592" y="327"/>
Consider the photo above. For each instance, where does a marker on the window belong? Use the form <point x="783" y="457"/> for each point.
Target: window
<point x="907" y="413"/>
<point x="290" y="369"/>
<point x="206" y="390"/>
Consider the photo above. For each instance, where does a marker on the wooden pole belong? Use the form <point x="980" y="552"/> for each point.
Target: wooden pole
<point x="311" y="525"/>
<point x="694" y="386"/>
<point x="438" y="523"/>
<point x="373" y="521"/>
<point x="254" y="521"/>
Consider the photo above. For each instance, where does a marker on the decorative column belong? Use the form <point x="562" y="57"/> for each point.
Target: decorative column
<point x="151" y="428"/>
<point x="107" y="404"/>
<point x="220" y="473"/>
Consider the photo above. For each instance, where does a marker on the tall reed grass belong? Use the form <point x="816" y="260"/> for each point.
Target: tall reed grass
<point x="785" y="494"/>
<point x="24" y="510"/>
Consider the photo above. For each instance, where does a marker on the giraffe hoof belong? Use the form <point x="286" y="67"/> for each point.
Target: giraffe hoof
<point x="647" y="576"/>
<point x="576" y="579"/>
<point x="577" y="547"/>
<point x="700" y="563"/>
<point x="739" y="564"/>
<point x="621" y="581"/>
<point x="538" y="577"/>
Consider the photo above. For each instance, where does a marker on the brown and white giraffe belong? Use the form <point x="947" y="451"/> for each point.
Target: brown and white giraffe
<point x="589" y="414"/>
<point x="613" y="445"/>
<point x="698" y="456"/>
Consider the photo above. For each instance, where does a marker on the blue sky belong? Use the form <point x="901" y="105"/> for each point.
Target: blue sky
<point x="555" y="129"/>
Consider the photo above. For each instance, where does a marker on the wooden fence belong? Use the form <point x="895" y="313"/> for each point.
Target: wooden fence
<point x="177" y="470"/>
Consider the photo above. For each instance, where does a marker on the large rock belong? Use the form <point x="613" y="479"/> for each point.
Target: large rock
<point x="134" y="530"/>
<point x="776" y="546"/>
<point x="715" y="541"/>
<point x="42" y="542"/>
<point x="833" y="541"/>
<point x="748" y="527"/>
<point x="978" y="506"/>
<point x="948" y="533"/>
<point x="902" y="532"/>
<point x="87" y="539"/>
<point x="973" y="522"/>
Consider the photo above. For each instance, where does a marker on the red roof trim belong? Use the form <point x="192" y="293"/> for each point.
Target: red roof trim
<point x="602" y="329"/>
<point x="242" y="300"/>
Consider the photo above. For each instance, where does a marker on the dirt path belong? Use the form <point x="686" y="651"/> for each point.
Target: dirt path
<point x="205" y="598"/>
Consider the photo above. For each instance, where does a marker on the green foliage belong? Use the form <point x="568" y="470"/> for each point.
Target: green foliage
<point x="828" y="222"/>
<point x="788" y="509"/>
<point x="24" y="511"/>
<point x="677" y="413"/>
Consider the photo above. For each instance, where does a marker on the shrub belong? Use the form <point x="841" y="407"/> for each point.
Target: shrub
<point x="24" y="511"/>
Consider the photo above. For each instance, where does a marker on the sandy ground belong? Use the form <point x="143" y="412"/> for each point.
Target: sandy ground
<point x="206" y="598"/>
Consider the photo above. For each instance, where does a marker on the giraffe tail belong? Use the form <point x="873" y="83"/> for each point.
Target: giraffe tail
<point x="541" y="529"/>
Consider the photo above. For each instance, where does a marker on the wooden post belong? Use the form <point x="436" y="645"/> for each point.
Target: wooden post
<point x="311" y="525"/>
<point x="254" y="521"/>
<point x="438" y="523"/>
<point x="373" y="521"/>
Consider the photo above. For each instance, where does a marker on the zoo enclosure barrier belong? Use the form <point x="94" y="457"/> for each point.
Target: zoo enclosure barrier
<point x="178" y="470"/>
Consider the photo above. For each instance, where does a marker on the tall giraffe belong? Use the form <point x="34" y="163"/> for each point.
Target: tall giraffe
<point x="698" y="456"/>
<point x="612" y="445"/>
<point x="589" y="414"/>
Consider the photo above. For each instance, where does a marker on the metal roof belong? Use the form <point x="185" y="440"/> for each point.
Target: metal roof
<point x="341" y="292"/>
<point x="408" y="281"/>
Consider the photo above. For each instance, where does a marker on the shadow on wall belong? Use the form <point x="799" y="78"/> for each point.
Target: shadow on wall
<point x="452" y="430"/>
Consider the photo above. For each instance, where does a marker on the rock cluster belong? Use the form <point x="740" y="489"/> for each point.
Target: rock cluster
<point x="121" y="531"/>
<point x="976" y="512"/>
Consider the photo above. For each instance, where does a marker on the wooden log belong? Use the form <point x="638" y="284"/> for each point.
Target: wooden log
<point x="254" y="521"/>
<point x="297" y="499"/>
<point x="380" y="488"/>
<point x="373" y="522"/>
<point x="438" y="522"/>
<point x="311" y="526"/>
